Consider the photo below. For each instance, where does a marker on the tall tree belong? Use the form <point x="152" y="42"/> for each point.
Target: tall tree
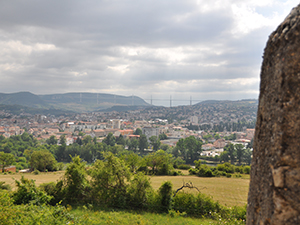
<point x="155" y="142"/>
<point x="6" y="159"/>
<point x="143" y="143"/>
<point x="110" y="139"/>
<point x="42" y="160"/>
<point x="240" y="151"/>
<point x="138" y="131"/>
<point x="231" y="152"/>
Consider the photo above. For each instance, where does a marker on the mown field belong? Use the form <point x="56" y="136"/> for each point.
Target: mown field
<point x="228" y="191"/>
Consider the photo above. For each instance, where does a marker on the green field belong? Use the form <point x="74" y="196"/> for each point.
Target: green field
<point x="228" y="191"/>
<point x="132" y="218"/>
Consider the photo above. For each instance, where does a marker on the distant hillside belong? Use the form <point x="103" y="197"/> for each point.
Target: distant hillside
<point x="247" y="101"/>
<point x="22" y="98"/>
<point x="20" y="109"/>
<point x="76" y="102"/>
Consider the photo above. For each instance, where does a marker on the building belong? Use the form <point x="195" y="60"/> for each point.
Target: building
<point x="150" y="131"/>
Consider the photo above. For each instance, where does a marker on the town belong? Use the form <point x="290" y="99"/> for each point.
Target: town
<point x="216" y="123"/>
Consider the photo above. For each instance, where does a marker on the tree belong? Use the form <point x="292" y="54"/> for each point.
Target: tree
<point x="6" y="159"/>
<point x="143" y="143"/>
<point x="217" y="136"/>
<point x="163" y="136"/>
<point x="76" y="183"/>
<point x="121" y="140"/>
<point x="132" y="144"/>
<point x="247" y="157"/>
<point x="110" y="139"/>
<point x="52" y="140"/>
<point x="42" y="160"/>
<point x="155" y="142"/>
<point x="224" y="157"/>
<point x="160" y="162"/>
<point x="193" y="148"/>
<point x="181" y="148"/>
<point x="28" y="192"/>
<point x="87" y="139"/>
<point x="62" y="139"/>
<point x="231" y="152"/>
<point x="110" y="180"/>
<point x="138" y="131"/>
<point x="240" y="151"/>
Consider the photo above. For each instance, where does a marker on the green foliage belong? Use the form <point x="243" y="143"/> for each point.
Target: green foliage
<point x="139" y="191"/>
<point x="109" y="181"/>
<point x="160" y="162"/>
<point x="42" y="161"/>
<point x="184" y="167"/>
<point x="163" y="136"/>
<point x="165" y="194"/>
<point x="75" y="181"/>
<point x="189" y="148"/>
<point x="11" y="214"/>
<point x="4" y="186"/>
<point x="132" y="144"/>
<point x="6" y="159"/>
<point x="196" y="205"/>
<point x="247" y="169"/>
<point x="110" y="139"/>
<point x="143" y="143"/>
<point x="138" y="131"/>
<point x="27" y="192"/>
<point x="155" y="142"/>
<point x="52" y="140"/>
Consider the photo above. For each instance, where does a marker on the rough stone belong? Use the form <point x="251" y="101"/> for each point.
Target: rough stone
<point x="274" y="192"/>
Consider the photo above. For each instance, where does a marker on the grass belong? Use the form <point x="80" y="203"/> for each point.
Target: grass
<point x="133" y="218"/>
<point x="228" y="191"/>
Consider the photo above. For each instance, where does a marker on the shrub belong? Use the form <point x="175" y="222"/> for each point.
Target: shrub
<point x="196" y="205"/>
<point x="138" y="191"/>
<point x="4" y="186"/>
<point x="110" y="180"/>
<point x="36" y="172"/>
<point x="228" y="175"/>
<point x="165" y="193"/>
<point x="184" y="167"/>
<point x="247" y="169"/>
<point x="204" y="171"/>
<point x="28" y="192"/>
<point x="193" y="171"/>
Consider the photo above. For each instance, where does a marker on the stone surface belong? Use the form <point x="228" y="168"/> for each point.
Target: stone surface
<point x="274" y="193"/>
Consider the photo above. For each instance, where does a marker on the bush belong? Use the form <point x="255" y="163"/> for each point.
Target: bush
<point x="165" y="193"/>
<point x="204" y="171"/>
<point x="36" y="172"/>
<point x="228" y="175"/>
<point x="4" y="186"/>
<point x="138" y="191"/>
<point x="193" y="171"/>
<point x="27" y="192"/>
<point x="247" y="169"/>
<point x="184" y="167"/>
<point x="196" y="205"/>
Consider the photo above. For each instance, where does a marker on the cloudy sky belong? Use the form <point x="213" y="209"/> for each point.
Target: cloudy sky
<point x="177" y="49"/>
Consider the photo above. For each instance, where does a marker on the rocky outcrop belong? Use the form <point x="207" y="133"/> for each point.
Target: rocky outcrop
<point x="274" y="194"/>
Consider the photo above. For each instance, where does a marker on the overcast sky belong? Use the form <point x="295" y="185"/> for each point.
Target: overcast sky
<point x="181" y="49"/>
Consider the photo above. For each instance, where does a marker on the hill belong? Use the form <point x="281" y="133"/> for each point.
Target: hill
<point x="76" y="102"/>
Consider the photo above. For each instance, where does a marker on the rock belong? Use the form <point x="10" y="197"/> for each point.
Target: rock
<point x="274" y="193"/>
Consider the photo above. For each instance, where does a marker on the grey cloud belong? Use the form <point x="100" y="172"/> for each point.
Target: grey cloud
<point x="126" y="47"/>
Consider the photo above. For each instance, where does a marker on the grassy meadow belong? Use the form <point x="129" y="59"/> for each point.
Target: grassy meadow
<point x="228" y="191"/>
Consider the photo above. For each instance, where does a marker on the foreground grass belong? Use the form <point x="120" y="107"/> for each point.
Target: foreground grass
<point x="228" y="191"/>
<point x="131" y="218"/>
